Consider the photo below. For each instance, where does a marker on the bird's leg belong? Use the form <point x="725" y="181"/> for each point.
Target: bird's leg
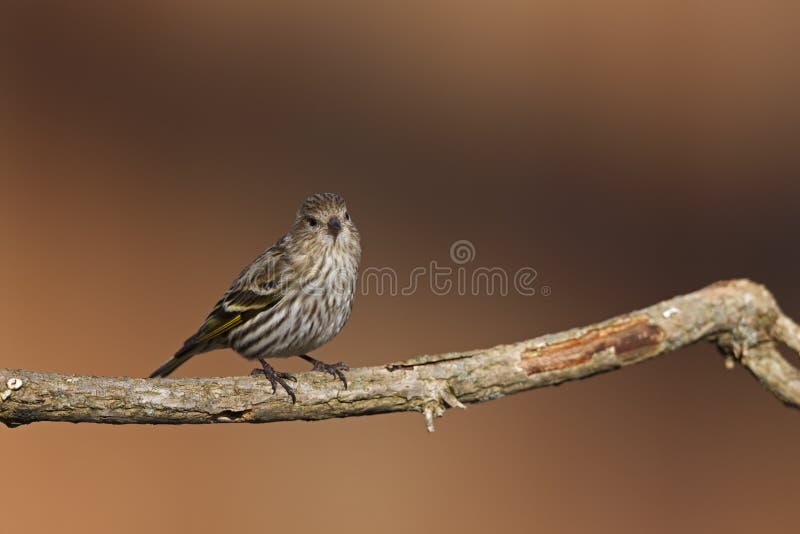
<point x="334" y="369"/>
<point x="275" y="377"/>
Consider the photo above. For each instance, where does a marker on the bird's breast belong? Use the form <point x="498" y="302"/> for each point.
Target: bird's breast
<point x="314" y="308"/>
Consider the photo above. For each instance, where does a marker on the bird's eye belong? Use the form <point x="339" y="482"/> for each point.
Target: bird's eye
<point x="311" y="221"/>
<point x="347" y="215"/>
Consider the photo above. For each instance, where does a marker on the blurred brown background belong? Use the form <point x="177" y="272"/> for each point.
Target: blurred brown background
<point x="627" y="150"/>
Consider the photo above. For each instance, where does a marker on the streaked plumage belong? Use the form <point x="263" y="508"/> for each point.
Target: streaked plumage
<point x="293" y="298"/>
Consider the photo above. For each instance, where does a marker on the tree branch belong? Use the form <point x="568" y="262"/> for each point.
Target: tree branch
<point x="740" y="317"/>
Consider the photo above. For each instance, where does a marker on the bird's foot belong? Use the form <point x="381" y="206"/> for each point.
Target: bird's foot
<point x="334" y="369"/>
<point x="275" y="377"/>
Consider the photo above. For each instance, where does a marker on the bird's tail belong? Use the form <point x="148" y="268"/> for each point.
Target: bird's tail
<point x="176" y="361"/>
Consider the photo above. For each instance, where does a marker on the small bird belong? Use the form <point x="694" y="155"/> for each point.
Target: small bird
<point x="293" y="298"/>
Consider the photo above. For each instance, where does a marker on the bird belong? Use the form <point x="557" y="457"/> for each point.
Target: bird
<point x="291" y="299"/>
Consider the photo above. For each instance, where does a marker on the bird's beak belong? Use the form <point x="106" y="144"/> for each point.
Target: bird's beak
<point x="334" y="226"/>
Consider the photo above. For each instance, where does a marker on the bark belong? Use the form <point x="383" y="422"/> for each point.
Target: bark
<point x="739" y="316"/>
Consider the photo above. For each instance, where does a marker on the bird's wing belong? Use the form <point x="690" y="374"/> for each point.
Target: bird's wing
<point x="256" y="289"/>
<point x="232" y="311"/>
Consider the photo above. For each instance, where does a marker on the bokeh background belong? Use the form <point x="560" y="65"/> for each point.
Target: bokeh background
<point x="627" y="150"/>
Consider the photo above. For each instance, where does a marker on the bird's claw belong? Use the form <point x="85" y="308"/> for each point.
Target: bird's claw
<point x="334" y="369"/>
<point x="275" y="378"/>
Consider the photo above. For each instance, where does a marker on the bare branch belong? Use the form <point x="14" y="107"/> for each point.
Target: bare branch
<point x="740" y="317"/>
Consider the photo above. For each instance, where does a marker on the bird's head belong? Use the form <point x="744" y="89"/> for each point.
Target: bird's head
<point x="323" y="220"/>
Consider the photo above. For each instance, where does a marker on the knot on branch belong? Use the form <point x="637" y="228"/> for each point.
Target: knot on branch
<point x="440" y="396"/>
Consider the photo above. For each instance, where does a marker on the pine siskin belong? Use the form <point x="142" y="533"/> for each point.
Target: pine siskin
<point x="292" y="299"/>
